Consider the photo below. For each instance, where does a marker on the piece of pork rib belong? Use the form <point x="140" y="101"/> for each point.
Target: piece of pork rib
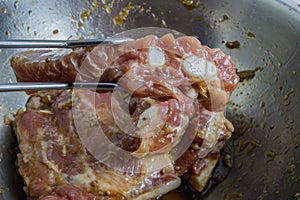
<point x="110" y="62"/>
<point x="48" y="130"/>
<point x="56" y="165"/>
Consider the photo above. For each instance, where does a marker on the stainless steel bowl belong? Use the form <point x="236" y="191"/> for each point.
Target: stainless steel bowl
<point x="264" y="109"/>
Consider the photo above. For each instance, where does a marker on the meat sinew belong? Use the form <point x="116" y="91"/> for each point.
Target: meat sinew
<point x="165" y="120"/>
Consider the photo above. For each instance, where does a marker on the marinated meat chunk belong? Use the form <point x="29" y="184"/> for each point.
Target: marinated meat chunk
<point x="164" y="120"/>
<point x="54" y="162"/>
<point x="210" y="71"/>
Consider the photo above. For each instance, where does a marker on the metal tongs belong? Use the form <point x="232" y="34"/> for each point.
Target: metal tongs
<point x="32" y="86"/>
<point x="25" y="86"/>
<point x="59" y="43"/>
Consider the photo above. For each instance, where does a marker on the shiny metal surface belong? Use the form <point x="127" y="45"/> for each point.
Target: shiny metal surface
<point x="15" y="87"/>
<point x="265" y="109"/>
<point x="58" y="43"/>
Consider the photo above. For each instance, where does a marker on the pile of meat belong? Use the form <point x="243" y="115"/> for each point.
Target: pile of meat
<point x="163" y="122"/>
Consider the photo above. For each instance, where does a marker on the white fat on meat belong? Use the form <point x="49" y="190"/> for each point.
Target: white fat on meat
<point x="203" y="70"/>
<point x="158" y="191"/>
<point x="156" y="56"/>
<point x="199" y="181"/>
<point x="200" y="68"/>
<point x="138" y="186"/>
<point x="215" y="127"/>
<point x="155" y="163"/>
<point x="46" y="146"/>
<point x="151" y="120"/>
<point x="191" y="92"/>
<point x="205" y="167"/>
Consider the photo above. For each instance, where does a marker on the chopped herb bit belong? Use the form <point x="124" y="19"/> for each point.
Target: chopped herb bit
<point x="233" y="45"/>
<point x="189" y="4"/>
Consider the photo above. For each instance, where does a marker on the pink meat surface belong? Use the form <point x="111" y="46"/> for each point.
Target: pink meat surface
<point x="165" y="120"/>
<point x="56" y="165"/>
<point x="130" y="60"/>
